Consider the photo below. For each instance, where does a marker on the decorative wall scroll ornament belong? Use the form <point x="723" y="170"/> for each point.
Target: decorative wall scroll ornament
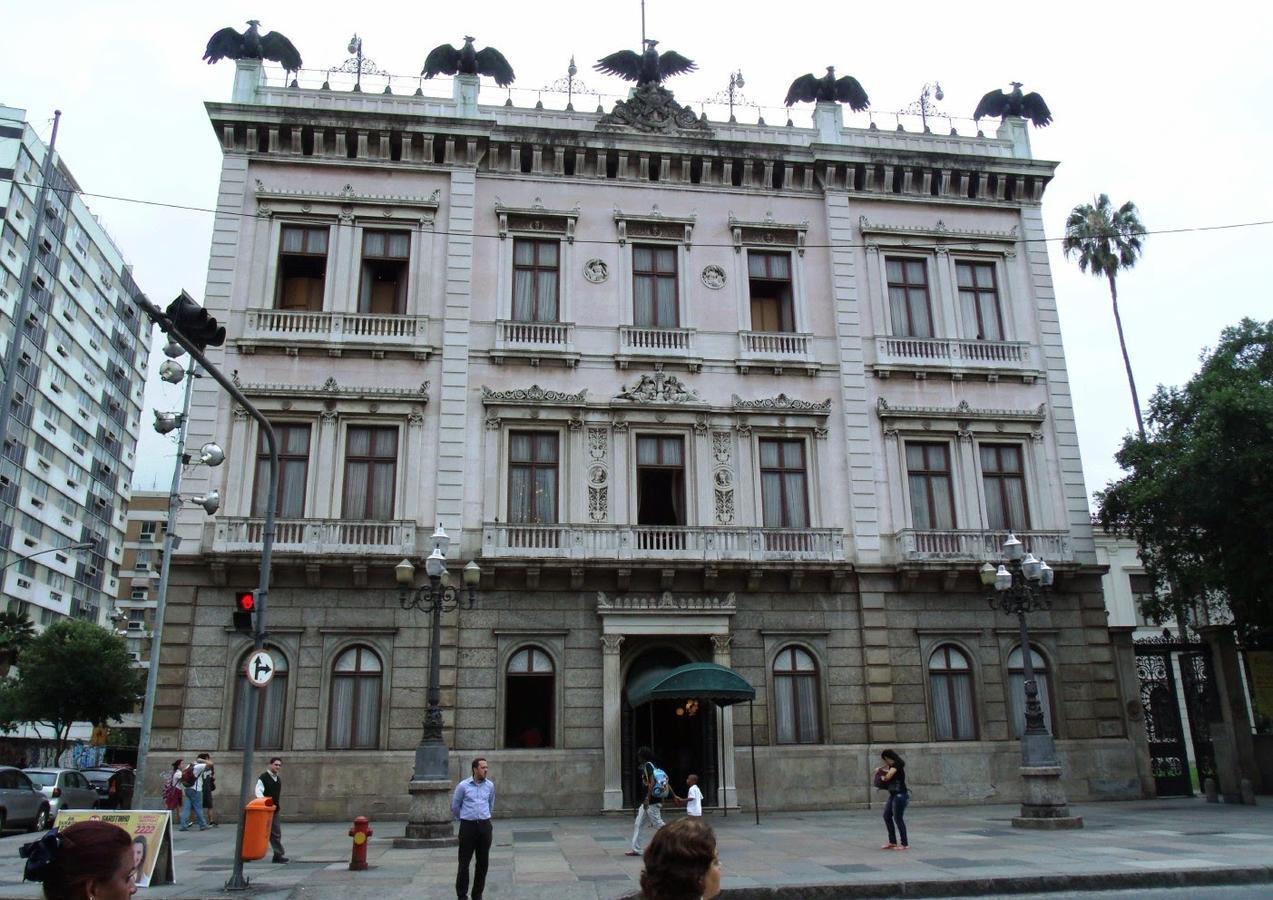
<point x="596" y="271"/>
<point x="658" y="388"/>
<point x="961" y="412"/>
<point x="328" y="417"/>
<point x="713" y="277"/>
<point x="619" y="423"/>
<point x="768" y="232"/>
<point x="598" y="474"/>
<point x="415" y="419"/>
<point x="666" y="602"/>
<point x="574" y="423"/>
<point x="653" y="109"/>
<point x="723" y="477"/>
<point x="743" y="428"/>
<point x="492" y="423"/>
<point x="783" y="403"/>
<point x="240" y="412"/>
<point x="534" y="394"/>
<point x="821" y="433"/>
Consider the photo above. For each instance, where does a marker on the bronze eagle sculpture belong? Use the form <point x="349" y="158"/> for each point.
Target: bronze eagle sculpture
<point x="251" y="44"/>
<point x="446" y="60"/>
<point x="811" y="89"/>
<point x="1031" y="106"/>
<point x="650" y="67"/>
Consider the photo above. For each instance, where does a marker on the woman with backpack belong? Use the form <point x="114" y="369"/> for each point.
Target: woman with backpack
<point x="172" y="788"/>
<point x="657" y="789"/>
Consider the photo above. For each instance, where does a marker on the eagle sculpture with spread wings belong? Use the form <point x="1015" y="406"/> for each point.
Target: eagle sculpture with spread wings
<point x="1031" y="106"/>
<point x="446" y="60"/>
<point x="811" y="89"/>
<point x="251" y="44"/>
<point x="650" y="67"/>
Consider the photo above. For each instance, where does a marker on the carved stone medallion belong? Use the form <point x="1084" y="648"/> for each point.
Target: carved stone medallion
<point x="713" y="277"/>
<point x="596" y="271"/>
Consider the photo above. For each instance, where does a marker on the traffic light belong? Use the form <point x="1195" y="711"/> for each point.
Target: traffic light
<point x="194" y="323"/>
<point x="245" y="612"/>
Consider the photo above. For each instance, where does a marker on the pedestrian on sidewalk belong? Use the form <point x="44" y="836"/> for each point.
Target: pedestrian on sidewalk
<point x="891" y="776"/>
<point x="207" y="785"/>
<point x="656" y="788"/>
<point x="172" y="789"/>
<point x="693" y="796"/>
<point x="192" y="793"/>
<point x="681" y="863"/>
<point x="472" y="803"/>
<point x="270" y="784"/>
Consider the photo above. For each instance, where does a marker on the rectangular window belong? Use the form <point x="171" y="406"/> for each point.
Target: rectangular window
<point x="535" y="277"/>
<point x="142" y="563"/>
<point x="769" y="286"/>
<point x="293" y="471"/>
<point x="654" y="287"/>
<point x="532" y="477"/>
<point x="979" y="299"/>
<point x="1003" y="476"/>
<point x="660" y="480"/>
<point x="932" y="496"/>
<point x="146" y="531"/>
<point x="908" y="297"/>
<point x="371" y="467"/>
<point x="384" y="272"/>
<point x="784" y="491"/>
<point x="302" y="268"/>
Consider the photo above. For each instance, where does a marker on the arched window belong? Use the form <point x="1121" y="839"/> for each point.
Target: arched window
<point x="796" y="697"/>
<point x="1016" y="688"/>
<point x="270" y="707"/>
<point x="950" y="683"/>
<point x="353" y="715"/>
<point x="528" y="699"/>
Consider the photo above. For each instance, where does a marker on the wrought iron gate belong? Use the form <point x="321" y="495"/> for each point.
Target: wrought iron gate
<point x="1164" y="724"/>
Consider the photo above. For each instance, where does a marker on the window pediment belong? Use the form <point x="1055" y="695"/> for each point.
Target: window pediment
<point x="654" y="226"/>
<point x="783" y="404"/>
<point x="331" y="390"/>
<point x="937" y="233"/>
<point x="666" y="603"/>
<point x="768" y="233"/>
<point x="536" y="220"/>
<point x="348" y="205"/>
<point x="532" y="396"/>
<point x="960" y="412"/>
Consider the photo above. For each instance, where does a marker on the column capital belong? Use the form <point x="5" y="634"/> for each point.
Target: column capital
<point x="611" y="643"/>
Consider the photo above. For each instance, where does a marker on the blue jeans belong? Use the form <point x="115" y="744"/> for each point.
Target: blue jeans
<point x="894" y="809"/>
<point x="192" y="800"/>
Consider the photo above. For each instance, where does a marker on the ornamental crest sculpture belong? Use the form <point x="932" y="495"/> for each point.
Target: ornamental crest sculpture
<point x="658" y="388"/>
<point x="653" y="109"/>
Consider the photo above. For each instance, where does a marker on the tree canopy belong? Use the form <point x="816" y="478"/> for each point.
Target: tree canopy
<point x="74" y="671"/>
<point x="1198" y="496"/>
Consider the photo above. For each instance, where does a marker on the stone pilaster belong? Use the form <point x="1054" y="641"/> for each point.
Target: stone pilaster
<point x="611" y="705"/>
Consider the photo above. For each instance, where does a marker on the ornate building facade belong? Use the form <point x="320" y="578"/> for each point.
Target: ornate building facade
<point x="686" y="391"/>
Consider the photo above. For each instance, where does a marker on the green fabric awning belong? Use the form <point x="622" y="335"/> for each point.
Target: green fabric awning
<point x="692" y="681"/>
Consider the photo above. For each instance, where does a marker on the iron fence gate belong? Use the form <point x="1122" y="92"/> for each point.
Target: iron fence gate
<point x="1169" y="741"/>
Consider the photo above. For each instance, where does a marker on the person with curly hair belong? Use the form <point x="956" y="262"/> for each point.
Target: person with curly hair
<point x="681" y="862"/>
<point x="86" y="861"/>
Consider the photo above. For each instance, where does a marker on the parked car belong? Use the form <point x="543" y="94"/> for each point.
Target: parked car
<point x="65" y="788"/>
<point x="22" y="804"/>
<point x="113" y="783"/>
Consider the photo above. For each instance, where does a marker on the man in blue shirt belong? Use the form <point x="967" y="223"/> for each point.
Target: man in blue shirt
<point x="472" y="803"/>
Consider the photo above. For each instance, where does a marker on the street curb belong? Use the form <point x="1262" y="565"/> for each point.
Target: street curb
<point x="1011" y="884"/>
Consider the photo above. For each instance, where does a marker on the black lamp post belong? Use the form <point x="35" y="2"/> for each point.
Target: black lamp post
<point x="1022" y="584"/>
<point x="429" y="822"/>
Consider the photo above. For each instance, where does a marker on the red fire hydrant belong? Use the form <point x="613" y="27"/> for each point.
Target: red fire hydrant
<point x="361" y="833"/>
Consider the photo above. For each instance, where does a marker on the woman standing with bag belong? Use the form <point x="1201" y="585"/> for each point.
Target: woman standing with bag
<point x="891" y="776"/>
<point x="172" y="788"/>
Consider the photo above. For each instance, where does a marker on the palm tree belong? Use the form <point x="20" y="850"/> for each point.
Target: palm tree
<point x="1107" y="240"/>
<point x="16" y="632"/>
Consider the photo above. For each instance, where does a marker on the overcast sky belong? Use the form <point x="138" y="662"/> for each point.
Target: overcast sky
<point x="1162" y="104"/>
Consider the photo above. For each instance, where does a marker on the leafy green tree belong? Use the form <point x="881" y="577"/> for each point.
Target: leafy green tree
<point x="1107" y="240"/>
<point x="16" y="631"/>
<point x="1198" y="496"/>
<point x="74" y="672"/>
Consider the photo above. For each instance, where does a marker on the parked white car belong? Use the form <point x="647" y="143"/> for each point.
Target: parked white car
<point x="65" y="788"/>
<point x="21" y="802"/>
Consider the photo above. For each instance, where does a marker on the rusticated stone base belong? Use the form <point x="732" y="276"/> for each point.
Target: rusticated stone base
<point x="1043" y="803"/>
<point x="429" y="822"/>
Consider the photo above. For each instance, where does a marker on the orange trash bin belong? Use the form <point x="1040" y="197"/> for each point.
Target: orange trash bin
<point x="258" y="815"/>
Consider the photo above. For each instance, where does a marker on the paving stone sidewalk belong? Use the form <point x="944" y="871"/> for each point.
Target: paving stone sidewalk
<point x="956" y="851"/>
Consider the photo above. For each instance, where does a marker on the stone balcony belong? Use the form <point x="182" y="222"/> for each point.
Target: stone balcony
<point x="776" y="350"/>
<point x="316" y="537"/>
<point x="956" y="357"/>
<point x="682" y="544"/>
<point x="978" y="546"/>
<point x="657" y="345"/>
<point x="336" y="333"/>
<point x="535" y="342"/>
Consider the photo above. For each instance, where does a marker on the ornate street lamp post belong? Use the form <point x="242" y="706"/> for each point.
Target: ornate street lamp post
<point x="429" y="822"/>
<point x="1021" y="585"/>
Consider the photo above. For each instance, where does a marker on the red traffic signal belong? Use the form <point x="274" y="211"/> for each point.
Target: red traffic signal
<point x="246" y="601"/>
<point x="245" y="611"/>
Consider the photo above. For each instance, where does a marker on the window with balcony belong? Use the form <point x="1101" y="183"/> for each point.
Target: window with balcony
<point x="528" y="699"/>
<point x="654" y="291"/>
<point x="371" y="467"/>
<point x="769" y="287"/>
<point x="660" y="468"/>
<point x="385" y="257"/>
<point x="950" y="689"/>
<point x="1003" y="480"/>
<point x="535" y="280"/>
<point x="979" y="299"/>
<point x="293" y="471"/>
<point x="532" y="477"/>
<point x="302" y="268"/>
<point x="932" y="496"/>
<point x="796" y="697"/>
<point x="908" y="299"/>
<point x="784" y="490"/>
<point x="353" y="715"/>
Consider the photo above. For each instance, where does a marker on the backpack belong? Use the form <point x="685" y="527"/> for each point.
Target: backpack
<point x="662" y="787"/>
<point x="187" y="776"/>
<point x="172" y="796"/>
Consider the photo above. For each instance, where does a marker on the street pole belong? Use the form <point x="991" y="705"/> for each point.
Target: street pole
<point x="24" y="297"/>
<point x="161" y="602"/>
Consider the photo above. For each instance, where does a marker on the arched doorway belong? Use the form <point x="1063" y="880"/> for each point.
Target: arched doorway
<point x="682" y="734"/>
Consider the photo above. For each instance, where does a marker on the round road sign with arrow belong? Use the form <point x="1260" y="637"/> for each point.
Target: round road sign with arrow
<point x="260" y="668"/>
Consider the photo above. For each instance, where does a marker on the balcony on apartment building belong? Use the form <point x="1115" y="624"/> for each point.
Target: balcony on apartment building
<point x="336" y="332"/>
<point x="777" y="350"/>
<point x="956" y="357"/>
<point x="662" y="542"/>
<point x="979" y="546"/>
<point x="535" y="342"/>
<point x="640" y="343"/>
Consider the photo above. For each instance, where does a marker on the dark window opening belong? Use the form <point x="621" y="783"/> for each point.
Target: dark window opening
<point x="384" y="272"/>
<point x="307" y="140"/>
<point x="395" y="145"/>
<point x="612" y="164"/>
<point x="526" y="160"/>
<point x="769" y="286"/>
<point x="660" y="480"/>
<point x="696" y="170"/>
<point x="569" y="161"/>
<point x="528" y="696"/>
<point x="438" y="150"/>
<point x="736" y="178"/>
<point x="302" y="267"/>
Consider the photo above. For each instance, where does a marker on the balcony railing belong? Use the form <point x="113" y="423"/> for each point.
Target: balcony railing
<point x="336" y="328"/>
<point x="774" y="345"/>
<point x="335" y="537"/>
<point x="656" y="341"/>
<point x="981" y="546"/>
<point x="534" y="336"/>
<point x="682" y="544"/>
<point x="954" y="353"/>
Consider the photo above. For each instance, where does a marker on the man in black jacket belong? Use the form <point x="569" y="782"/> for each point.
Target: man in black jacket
<point x="271" y="785"/>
